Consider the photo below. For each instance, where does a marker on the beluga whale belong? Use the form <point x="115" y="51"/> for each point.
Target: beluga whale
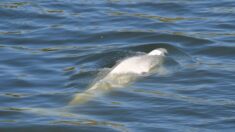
<point x="123" y="73"/>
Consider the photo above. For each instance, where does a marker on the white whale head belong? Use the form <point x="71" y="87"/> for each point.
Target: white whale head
<point x="159" y="51"/>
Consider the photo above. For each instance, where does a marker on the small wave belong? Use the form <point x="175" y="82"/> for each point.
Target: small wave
<point x="218" y="51"/>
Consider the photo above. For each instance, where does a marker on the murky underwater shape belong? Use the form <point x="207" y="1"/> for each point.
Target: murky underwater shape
<point x="51" y="50"/>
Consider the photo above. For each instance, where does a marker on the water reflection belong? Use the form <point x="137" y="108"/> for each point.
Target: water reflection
<point x="115" y="126"/>
<point x="155" y="17"/>
<point x="13" y="4"/>
<point x="189" y="99"/>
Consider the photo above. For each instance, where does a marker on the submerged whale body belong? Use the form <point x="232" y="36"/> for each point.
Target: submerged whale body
<point x="125" y="72"/>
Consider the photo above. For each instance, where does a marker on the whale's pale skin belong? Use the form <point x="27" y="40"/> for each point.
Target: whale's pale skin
<point x="123" y="73"/>
<point x="139" y="64"/>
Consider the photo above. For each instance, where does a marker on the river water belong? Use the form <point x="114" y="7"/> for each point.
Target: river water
<point x="52" y="49"/>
